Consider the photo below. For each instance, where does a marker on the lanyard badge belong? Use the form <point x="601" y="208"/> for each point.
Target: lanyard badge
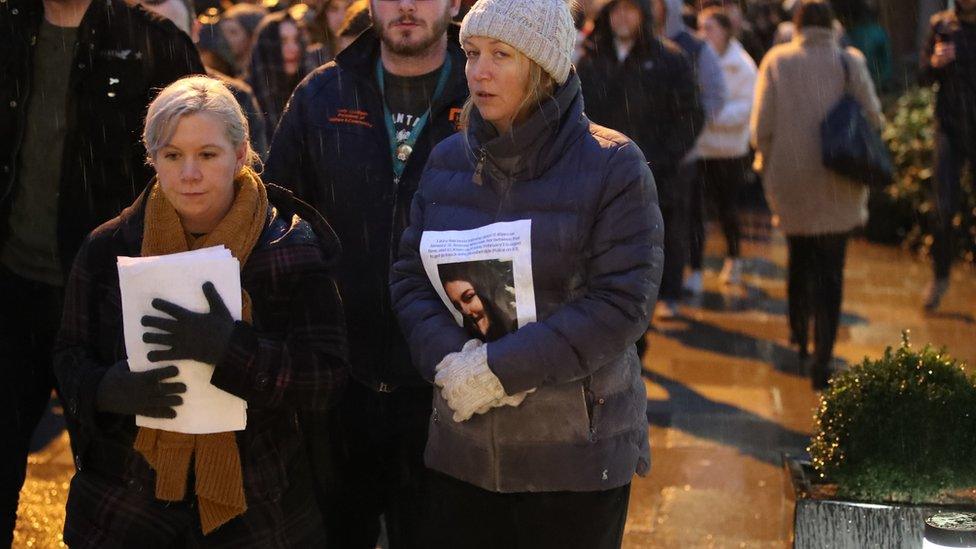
<point x="401" y="149"/>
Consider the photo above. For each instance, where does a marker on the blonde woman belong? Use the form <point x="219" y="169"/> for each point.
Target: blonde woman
<point x="547" y="421"/>
<point x="134" y="487"/>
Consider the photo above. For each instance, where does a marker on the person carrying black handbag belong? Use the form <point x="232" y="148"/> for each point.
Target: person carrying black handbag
<point x="817" y="208"/>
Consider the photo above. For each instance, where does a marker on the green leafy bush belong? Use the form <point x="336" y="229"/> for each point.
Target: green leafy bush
<point x="900" y="428"/>
<point x="903" y="213"/>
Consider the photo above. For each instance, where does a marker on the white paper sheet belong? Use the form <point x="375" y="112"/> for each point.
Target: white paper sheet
<point x="179" y="278"/>
<point x="493" y="265"/>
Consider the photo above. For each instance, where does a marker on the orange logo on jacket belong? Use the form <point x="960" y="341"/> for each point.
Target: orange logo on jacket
<point x="349" y="116"/>
<point x="455" y="116"/>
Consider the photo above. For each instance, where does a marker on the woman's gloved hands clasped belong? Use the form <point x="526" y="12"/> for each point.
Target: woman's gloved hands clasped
<point x="467" y="384"/>
<point x="124" y="392"/>
<point x="203" y="337"/>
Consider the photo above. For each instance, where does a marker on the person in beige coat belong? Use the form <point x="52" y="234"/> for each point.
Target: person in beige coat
<point x="799" y="82"/>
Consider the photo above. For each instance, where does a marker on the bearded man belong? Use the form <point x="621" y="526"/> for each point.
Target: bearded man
<point x="353" y="142"/>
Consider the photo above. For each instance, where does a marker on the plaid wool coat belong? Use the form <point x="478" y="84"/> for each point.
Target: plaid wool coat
<point x="293" y="357"/>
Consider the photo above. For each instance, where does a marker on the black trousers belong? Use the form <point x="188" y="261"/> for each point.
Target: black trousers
<point x="368" y="459"/>
<point x="674" y="193"/>
<point x="716" y="192"/>
<point x="950" y="161"/>
<point x="816" y="290"/>
<point x="463" y="515"/>
<point x="30" y="315"/>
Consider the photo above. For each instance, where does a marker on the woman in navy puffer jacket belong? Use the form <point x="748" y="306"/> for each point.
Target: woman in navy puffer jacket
<point x="553" y="413"/>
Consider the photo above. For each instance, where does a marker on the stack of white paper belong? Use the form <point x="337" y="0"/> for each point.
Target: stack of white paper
<point x="179" y="278"/>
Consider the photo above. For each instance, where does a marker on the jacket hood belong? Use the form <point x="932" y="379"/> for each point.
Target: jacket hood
<point x="531" y="148"/>
<point x="674" y="24"/>
<point x="602" y="36"/>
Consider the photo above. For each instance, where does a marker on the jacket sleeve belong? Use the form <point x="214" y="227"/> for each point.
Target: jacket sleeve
<point x="738" y="106"/>
<point x="763" y="113"/>
<point x="711" y="82"/>
<point x="287" y="160"/>
<point x="623" y="271"/>
<point x="427" y="325"/>
<point x="77" y="368"/>
<point x="305" y="366"/>
<point x="687" y="115"/>
<point x="862" y="88"/>
<point x="927" y="74"/>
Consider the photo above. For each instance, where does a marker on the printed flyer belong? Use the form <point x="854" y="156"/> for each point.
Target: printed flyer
<point x="483" y="276"/>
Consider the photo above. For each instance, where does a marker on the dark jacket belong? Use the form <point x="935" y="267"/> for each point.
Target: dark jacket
<point x="651" y="97"/>
<point x="597" y="257"/>
<point x="955" y="107"/>
<point x="124" y="56"/>
<point x="294" y="355"/>
<point x="333" y="151"/>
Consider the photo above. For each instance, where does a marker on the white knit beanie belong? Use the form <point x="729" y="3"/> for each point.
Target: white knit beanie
<point x="542" y="30"/>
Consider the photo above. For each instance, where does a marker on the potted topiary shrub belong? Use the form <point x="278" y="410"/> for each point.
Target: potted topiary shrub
<point x="895" y="442"/>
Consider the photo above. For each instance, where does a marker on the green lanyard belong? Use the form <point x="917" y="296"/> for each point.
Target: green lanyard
<point x="400" y="151"/>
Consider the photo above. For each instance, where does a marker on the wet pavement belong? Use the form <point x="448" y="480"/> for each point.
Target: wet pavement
<point x="725" y="397"/>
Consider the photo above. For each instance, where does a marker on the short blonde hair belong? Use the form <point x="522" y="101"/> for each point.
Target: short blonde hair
<point x="193" y="95"/>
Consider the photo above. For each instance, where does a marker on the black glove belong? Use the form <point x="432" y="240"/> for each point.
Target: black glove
<point x="203" y="337"/>
<point x="139" y="393"/>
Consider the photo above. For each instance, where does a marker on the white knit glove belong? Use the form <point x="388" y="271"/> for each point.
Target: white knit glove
<point x="467" y="384"/>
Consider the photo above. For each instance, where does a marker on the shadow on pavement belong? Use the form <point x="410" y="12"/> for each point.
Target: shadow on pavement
<point x="947" y="315"/>
<point x="689" y="411"/>
<point x="755" y="299"/>
<point x="757" y="266"/>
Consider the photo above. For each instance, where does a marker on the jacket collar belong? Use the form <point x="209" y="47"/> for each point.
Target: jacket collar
<point x="733" y="51"/>
<point x="816" y="36"/>
<point x="530" y="149"/>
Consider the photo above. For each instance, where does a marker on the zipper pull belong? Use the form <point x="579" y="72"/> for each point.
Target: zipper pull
<point x="479" y="168"/>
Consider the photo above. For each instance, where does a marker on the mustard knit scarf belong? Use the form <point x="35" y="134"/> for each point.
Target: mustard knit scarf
<point x="217" y="462"/>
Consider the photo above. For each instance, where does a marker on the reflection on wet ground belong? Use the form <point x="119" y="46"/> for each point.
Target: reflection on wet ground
<point x="726" y="396"/>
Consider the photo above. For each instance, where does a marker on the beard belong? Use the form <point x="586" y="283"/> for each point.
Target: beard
<point x="409" y="46"/>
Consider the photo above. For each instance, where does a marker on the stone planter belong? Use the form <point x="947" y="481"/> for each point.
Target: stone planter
<point x="821" y="521"/>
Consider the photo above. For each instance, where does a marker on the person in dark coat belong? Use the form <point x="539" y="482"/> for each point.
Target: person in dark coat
<point x="949" y="60"/>
<point x="251" y="488"/>
<point x="76" y="78"/>
<point x="334" y="149"/>
<point x="645" y="87"/>
<point x="547" y="421"/>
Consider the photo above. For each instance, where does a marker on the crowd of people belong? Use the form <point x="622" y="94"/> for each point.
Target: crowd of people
<point x="454" y="220"/>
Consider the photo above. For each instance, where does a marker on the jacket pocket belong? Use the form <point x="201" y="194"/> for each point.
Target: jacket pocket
<point x="266" y="462"/>
<point x="556" y="413"/>
<point x="593" y="405"/>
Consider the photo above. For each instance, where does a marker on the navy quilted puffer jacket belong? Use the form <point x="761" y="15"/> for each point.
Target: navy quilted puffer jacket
<point x="596" y="241"/>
